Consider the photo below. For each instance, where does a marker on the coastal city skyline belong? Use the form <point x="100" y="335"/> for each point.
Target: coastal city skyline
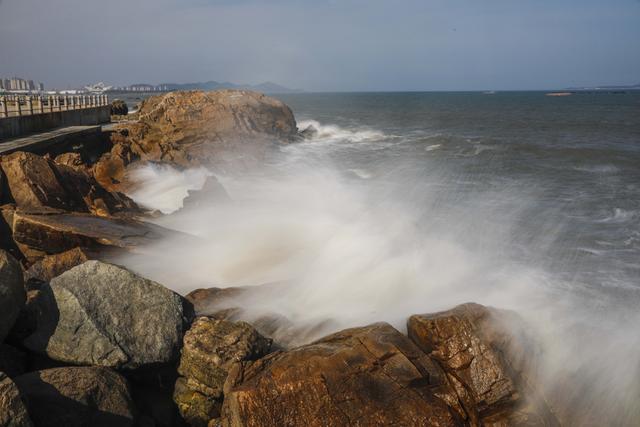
<point x="326" y="46"/>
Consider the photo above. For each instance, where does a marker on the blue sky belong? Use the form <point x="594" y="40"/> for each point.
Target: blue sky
<point x="325" y="45"/>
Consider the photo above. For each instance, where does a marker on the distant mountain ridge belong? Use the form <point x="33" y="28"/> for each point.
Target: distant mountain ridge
<point x="266" y="87"/>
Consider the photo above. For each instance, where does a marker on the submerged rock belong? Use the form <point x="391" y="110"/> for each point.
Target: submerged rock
<point x="363" y="376"/>
<point x="487" y="358"/>
<point x="77" y="397"/>
<point x="104" y="315"/>
<point x="13" y="412"/>
<point x="12" y="293"/>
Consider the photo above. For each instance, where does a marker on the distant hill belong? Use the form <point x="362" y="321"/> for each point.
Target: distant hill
<point x="266" y="87"/>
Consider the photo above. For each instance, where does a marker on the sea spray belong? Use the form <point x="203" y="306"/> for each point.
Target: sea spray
<point x="341" y="249"/>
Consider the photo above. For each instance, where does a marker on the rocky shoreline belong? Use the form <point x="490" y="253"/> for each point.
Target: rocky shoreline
<point x="88" y="343"/>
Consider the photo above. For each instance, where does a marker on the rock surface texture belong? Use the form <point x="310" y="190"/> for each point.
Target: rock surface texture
<point x="77" y="397"/>
<point x="12" y="293"/>
<point x="368" y="376"/>
<point x="486" y="357"/>
<point x="104" y="315"/>
<point x="211" y="347"/>
<point x="194" y="128"/>
<point x="13" y="412"/>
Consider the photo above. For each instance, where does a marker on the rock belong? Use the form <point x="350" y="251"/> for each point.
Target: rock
<point x="12" y="293"/>
<point x="32" y="182"/>
<point x="73" y="160"/>
<point x="51" y="233"/>
<point x="308" y="133"/>
<point x="212" y="193"/>
<point x="12" y="361"/>
<point x="36" y="182"/>
<point x="363" y="376"/>
<point x="486" y="356"/>
<point x="209" y="301"/>
<point x="104" y="315"/>
<point x="193" y="128"/>
<point x="13" y="412"/>
<point x="54" y="265"/>
<point x="211" y="347"/>
<point x="119" y="108"/>
<point x="77" y="397"/>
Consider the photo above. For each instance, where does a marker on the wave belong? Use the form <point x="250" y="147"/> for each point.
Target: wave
<point x="619" y="215"/>
<point x="338" y="133"/>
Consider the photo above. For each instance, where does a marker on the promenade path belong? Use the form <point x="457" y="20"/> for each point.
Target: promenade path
<point x="41" y="141"/>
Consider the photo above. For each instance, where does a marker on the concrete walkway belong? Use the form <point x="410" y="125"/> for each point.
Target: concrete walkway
<point x="41" y="141"/>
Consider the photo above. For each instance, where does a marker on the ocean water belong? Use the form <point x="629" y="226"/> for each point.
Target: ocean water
<point x="407" y="203"/>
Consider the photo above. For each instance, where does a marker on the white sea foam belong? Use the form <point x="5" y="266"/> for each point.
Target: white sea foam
<point x="337" y="133"/>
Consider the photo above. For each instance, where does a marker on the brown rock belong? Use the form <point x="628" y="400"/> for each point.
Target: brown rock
<point x="77" y="396"/>
<point x="209" y="301"/>
<point x="73" y="160"/>
<point x="197" y="128"/>
<point x="52" y="233"/>
<point x="54" y="265"/>
<point x="487" y="357"/>
<point x="13" y="412"/>
<point x="367" y="376"/>
<point x="119" y="108"/>
<point x="211" y="347"/>
<point x="32" y="182"/>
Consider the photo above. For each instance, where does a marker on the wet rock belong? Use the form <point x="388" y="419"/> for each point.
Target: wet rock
<point x="54" y="265"/>
<point x="308" y="133"/>
<point x="363" y="376"/>
<point x="209" y="301"/>
<point x="211" y="347"/>
<point x="12" y="293"/>
<point x="487" y="356"/>
<point x="13" y="412"/>
<point x="104" y="315"/>
<point x="119" y="108"/>
<point x="55" y="232"/>
<point x="77" y="397"/>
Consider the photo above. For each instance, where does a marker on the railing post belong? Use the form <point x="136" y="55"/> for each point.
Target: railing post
<point x="30" y="105"/>
<point x="5" y="111"/>
<point x="41" y="102"/>
<point x="19" y="106"/>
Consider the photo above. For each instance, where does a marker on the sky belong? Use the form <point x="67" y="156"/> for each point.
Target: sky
<point x="324" y="45"/>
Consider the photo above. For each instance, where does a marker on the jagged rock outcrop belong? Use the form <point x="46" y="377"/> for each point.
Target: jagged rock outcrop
<point x="363" y="376"/>
<point x="13" y="412"/>
<point x="77" y="397"/>
<point x="104" y="315"/>
<point x="190" y="128"/>
<point x="487" y="357"/>
<point x="211" y="347"/>
<point x="12" y="293"/>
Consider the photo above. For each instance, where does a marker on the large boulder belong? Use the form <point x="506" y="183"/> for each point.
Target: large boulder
<point x="487" y="357"/>
<point x="364" y="376"/>
<point x="12" y="293"/>
<point x="77" y="397"/>
<point x="40" y="233"/>
<point x="13" y="412"/>
<point x="211" y="347"/>
<point x="104" y="315"/>
<point x="191" y="128"/>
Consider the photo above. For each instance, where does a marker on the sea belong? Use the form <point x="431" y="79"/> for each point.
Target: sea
<point x="404" y="203"/>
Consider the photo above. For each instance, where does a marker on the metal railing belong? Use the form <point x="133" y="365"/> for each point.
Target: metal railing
<point x="25" y="105"/>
